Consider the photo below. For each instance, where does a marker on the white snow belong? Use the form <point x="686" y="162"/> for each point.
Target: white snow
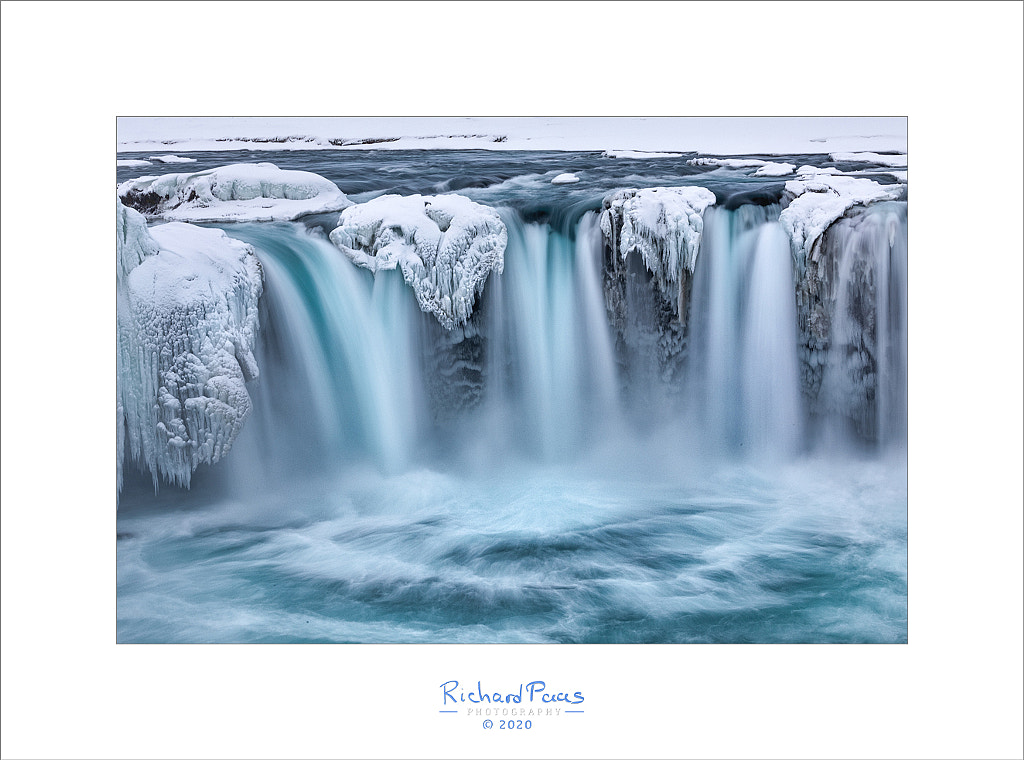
<point x="172" y="159"/>
<point x="815" y="202"/>
<point x="565" y="179"/>
<point x="663" y="224"/>
<point x="810" y="171"/>
<point x="235" y="193"/>
<point x="772" y="169"/>
<point x="130" y="163"/>
<point x="873" y="158"/>
<point x="639" y="154"/>
<point x="712" y="135"/>
<point x="446" y="245"/>
<point x="187" y="318"/>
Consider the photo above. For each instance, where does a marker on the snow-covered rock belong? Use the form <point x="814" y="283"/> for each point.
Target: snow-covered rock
<point x="187" y="319"/>
<point x="663" y="225"/>
<point x="172" y="159"/>
<point x="446" y="246"/>
<point x="817" y="201"/>
<point x="773" y="169"/>
<point x="881" y="159"/>
<point x="565" y="179"/>
<point x="809" y="171"/>
<point x="234" y="193"/>
<point x="133" y="163"/>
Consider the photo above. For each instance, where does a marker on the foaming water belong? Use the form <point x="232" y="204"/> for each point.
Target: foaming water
<point x="530" y="554"/>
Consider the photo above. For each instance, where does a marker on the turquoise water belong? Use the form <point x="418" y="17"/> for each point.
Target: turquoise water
<point x="814" y="552"/>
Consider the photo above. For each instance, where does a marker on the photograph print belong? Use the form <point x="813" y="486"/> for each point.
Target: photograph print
<point x="511" y="380"/>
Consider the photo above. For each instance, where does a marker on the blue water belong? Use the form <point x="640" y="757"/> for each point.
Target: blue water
<point x="816" y="552"/>
<point x="570" y="505"/>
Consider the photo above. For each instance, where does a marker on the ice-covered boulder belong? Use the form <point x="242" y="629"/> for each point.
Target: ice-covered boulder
<point x="187" y="319"/>
<point x="446" y="246"/>
<point x="567" y="178"/>
<point x="235" y="193"/>
<point x="663" y="225"/>
<point x="774" y="169"/>
<point x="815" y="202"/>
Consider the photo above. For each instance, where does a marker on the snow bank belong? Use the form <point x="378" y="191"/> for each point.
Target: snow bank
<point x="131" y="163"/>
<point x="772" y="169"/>
<point x="235" y="193"/>
<point x="172" y="159"/>
<point x="870" y="158"/>
<point x="716" y="136"/>
<point x="446" y="245"/>
<point x="565" y="179"/>
<point x="664" y="225"/>
<point x="187" y="318"/>
<point x="816" y="202"/>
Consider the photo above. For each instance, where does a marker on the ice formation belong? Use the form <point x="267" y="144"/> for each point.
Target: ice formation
<point x="664" y="225"/>
<point x="187" y="318"/>
<point x="131" y="163"/>
<point x="235" y="193"/>
<point x="815" y="202"/>
<point x="565" y="179"/>
<point x="446" y="246"/>
<point x="729" y="163"/>
<point x="772" y="169"/>
<point x="871" y="158"/>
<point x="172" y="159"/>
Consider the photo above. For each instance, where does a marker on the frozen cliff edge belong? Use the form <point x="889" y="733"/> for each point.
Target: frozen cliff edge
<point x="814" y="201"/>
<point x="187" y="320"/>
<point x="664" y="225"/>
<point x="235" y="193"/>
<point x="446" y="246"/>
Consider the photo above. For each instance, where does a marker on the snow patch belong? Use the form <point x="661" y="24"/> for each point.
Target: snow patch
<point x="870" y="158"/>
<point x="664" y="225"/>
<point x="565" y="179"/>
<point x="772" y="169"/>
<point x="446" y="245"/>
<point x="816" y="202"/>
<point x="729" y="163"/>
<point x="187" y="319"/>
<point x="235" y="193"/>
<point x="171" y="159"/>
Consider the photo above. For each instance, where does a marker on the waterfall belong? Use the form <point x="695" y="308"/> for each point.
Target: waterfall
<point x="551" y="359"/>
<point x="864" y="383"/>
<point x="352" y="370"/>
<point x="742" y="375"/>
<point x="340" y="377"/>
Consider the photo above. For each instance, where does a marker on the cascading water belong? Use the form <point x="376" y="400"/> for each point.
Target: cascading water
<point x="552" y="360"/>
<point x="743" y="369"/>
<point x="341" y="377"/>
<point x="865" y="379"/>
